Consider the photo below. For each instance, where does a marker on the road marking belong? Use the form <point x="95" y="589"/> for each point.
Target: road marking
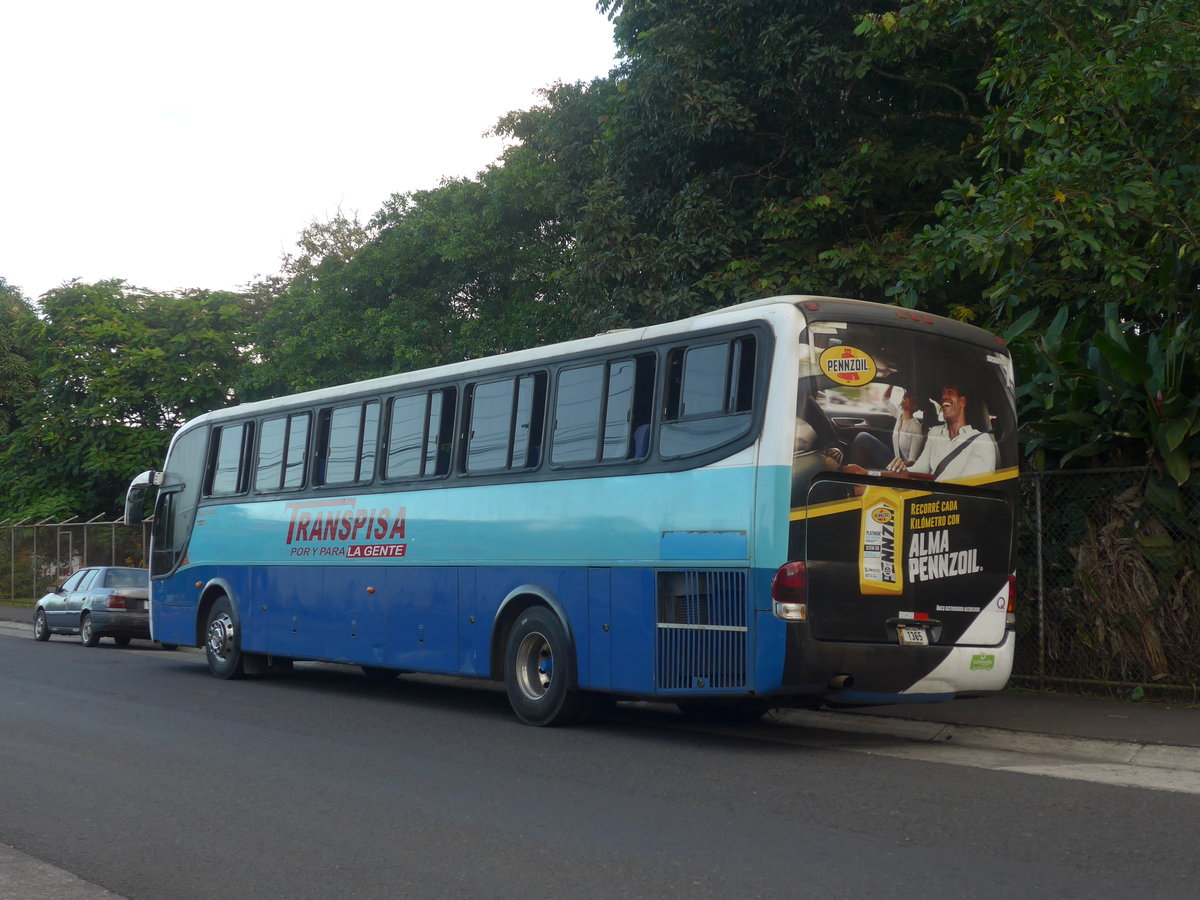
<point x="1121" y="774"/>
<point x="1124" y="763"/>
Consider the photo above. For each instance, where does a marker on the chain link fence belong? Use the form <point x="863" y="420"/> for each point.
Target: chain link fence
<point x="1107" y="587"/>
<point x="36" y="555"/>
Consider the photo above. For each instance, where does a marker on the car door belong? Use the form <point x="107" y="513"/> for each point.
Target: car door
<point x="77" y="600"/>
<point x="56" y="606"/>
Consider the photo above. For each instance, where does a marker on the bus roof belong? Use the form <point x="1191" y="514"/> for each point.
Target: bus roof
<point x="812" y="306"/>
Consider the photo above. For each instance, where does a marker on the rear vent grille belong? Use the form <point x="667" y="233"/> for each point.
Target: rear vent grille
<point x="701" y="631"/>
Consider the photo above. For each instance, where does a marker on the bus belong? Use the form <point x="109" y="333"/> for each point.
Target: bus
<point x="794" y="501"/>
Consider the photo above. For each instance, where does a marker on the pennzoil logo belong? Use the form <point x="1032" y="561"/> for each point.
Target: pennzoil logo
<point x="847" y="365"/>
<point x="883" y="515"/>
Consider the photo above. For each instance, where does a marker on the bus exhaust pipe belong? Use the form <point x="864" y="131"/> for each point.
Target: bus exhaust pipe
<point x="841" y="682"/>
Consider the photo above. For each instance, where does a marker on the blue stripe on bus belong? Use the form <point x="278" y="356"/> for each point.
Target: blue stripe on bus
<point x="439" y="619"/>
<point x="600" y="521"/>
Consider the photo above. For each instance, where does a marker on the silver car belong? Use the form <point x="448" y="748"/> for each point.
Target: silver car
<point x="103" y="601"/>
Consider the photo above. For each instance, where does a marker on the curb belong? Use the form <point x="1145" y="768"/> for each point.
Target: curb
<point x="1131" y="753"/>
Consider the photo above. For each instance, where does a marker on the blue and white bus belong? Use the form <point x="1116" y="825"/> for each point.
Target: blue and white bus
<point x="794" y="501"/>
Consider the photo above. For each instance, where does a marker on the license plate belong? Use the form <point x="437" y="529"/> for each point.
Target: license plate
<point x="913" y="636"/>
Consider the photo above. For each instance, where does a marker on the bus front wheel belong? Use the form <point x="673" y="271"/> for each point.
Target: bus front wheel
<point x="537" y="664"/>
<point x="222" y="641"/>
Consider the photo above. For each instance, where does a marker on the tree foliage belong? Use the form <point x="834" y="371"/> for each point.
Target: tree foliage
<point x="468" y="269"/>
<point x="16" y="380"/>
<point x="750" y="148"/>
<point x="1082" y="225"/>
<point x="115" y="371"/>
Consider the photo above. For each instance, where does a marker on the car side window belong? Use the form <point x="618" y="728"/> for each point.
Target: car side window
<point x="88" y="578"/>
<point x="73" y="582"/>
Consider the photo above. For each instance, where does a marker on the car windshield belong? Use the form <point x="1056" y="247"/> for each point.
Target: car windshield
<point x="127" y="578"/>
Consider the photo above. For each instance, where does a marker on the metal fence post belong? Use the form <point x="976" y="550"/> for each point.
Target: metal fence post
<point x="1041" y="583"/>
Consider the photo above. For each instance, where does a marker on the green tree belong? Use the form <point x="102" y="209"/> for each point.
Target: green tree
<point x="116" y="370"/>
<point x="748" y="148"/>
<point x="1083" y="223"/>
<point x="465" y="270"/>
<point x="16" y="382"/>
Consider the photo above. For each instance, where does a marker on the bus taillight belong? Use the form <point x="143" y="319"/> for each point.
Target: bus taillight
<point x="789" y="592"/>
<point x="1011" y="618"/>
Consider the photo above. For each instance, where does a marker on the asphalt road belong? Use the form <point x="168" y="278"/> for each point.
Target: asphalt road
<point x="134" y="770"/>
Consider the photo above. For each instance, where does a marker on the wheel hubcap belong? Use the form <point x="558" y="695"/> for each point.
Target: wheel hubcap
<point x="221" y="636"/>
<point x="535" y="666"/>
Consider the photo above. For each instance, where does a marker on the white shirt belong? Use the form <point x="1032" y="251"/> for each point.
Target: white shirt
<point x="977" y="459"/>
<point x="908" y="439"/>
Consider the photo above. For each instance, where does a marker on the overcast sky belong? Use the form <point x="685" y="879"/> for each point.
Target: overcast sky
<point x="187" y="145"/>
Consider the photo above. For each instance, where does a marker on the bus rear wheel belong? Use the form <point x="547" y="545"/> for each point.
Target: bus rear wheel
<point x="537" y="664"/>
<point x="222" y="641"/>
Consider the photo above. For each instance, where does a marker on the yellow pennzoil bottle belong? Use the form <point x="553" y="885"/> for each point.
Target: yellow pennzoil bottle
<point x="880" y="554"/>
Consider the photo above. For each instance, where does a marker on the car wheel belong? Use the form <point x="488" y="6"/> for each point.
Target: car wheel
<point x="87" y="636"/>
<point x="537" y="671"/>
<point x="122" y="641"/>
<point x="223" y="642"/>
<point x="41" y="628"/>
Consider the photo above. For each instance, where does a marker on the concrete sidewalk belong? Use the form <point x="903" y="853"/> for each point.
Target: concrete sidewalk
<point x="1172" y="724"/>
<point x="1066" y="715"/>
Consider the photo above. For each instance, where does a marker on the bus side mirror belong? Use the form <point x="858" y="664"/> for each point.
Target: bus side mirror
<point x="135" y="497"/>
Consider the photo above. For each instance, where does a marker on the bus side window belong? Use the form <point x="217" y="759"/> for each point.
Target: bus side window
<point x="709" y="397"/>
<point x="347" y="437"/>
<point x="282" y="446"/>
<point x="505" y="424"/>
<point x="602" y="411"/>
<point x="577" y="406"/>
<point x="228" y="470"/>
<point x="163" y="551"/>
<point x="295" y="452"/>
<point x="439" y="439"/>
<point x="420" y="431"/>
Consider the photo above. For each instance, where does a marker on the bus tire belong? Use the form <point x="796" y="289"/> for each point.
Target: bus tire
<point x="222" y="641"/>
<point x="537" y="663"/>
